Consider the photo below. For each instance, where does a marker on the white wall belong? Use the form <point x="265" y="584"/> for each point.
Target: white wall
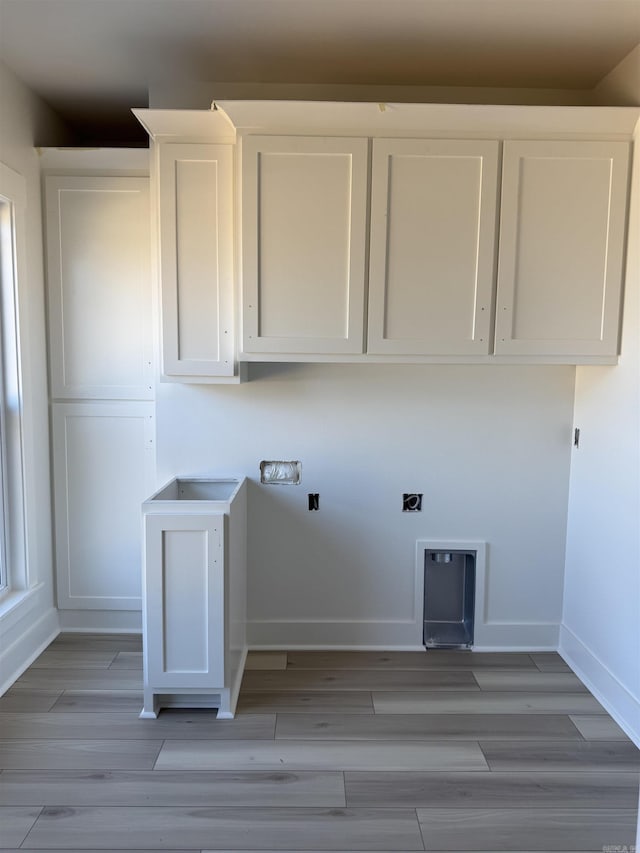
<point x="600" y="634"/>
<point x="487" y="445"/>
<point x="30" y="621"/>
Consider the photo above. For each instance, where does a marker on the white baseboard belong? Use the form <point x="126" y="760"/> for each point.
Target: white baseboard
<point x="101" y="621"/>
<point x="396" y="636"/>
<point x="256" y="647"/>
<point x="623" y="706"/>
<point x="516" y="636"/>
<point x="17" y="656"/>
<point x="338" y="635"/>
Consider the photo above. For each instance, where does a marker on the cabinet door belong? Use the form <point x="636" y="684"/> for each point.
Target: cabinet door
<point x="103" y="462"/>
<point x="99" y="283"/>
<point x="304" y="215"/>
<point x="433" y="228"/>
<point x="561" y="248"/>
<point x="184" y="601"/>
<point x="196" y="259"/>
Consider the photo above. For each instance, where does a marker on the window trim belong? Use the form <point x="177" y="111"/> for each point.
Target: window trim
<point x="13" y="193"/>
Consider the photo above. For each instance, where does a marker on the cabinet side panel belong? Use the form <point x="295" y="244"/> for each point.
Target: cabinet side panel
<point x="185" y="596"/>
<point x="184" y="601"/>
<point x="198" y="274"/>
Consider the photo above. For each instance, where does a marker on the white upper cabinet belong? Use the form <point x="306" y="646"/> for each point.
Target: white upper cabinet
<point x="397" y="232"/>
<point x="195" y="187"/>
<point x="433" y="229"/>
<point x="562" y="235"/>
<point x="99" y="287"/>
<point x="304" y="225"/>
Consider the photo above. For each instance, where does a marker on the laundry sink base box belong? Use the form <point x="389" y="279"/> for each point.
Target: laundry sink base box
<point x="194" y="595"/>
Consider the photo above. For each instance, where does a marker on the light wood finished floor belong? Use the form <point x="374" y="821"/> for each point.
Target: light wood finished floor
<point x="329" y="751"/>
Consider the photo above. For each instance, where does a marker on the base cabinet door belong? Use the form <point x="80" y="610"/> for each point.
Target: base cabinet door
<point x="104" y="466"/>
<point x="304" y="223"/>
<point x="432" y="255"/>
<point x="183" y="604"/>
<point x="562" y="237"/>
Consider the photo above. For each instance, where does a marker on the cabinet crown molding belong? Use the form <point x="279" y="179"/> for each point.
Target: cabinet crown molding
<point x="227" y="119"/>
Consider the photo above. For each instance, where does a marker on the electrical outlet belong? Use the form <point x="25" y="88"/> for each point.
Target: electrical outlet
<point x="412" y="502"/>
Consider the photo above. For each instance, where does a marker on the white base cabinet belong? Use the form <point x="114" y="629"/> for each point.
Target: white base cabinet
<point x="194" y="596"/>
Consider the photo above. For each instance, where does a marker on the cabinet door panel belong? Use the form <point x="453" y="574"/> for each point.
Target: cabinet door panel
<point x="184" y="601"/>
<point x="561" y="247"/>
<point x="196" y="259"/>
<point x="103" y="461"/>
<point x="99" y="287"/>
<point x="304" y="227"/>
<point x="433" y="222"/>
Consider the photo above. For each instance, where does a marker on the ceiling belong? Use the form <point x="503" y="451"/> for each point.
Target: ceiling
<point x="92" y="60"/>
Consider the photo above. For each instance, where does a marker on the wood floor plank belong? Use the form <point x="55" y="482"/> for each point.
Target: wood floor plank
<point x="485" y="702"/>
<point x="127" y="660"/>
<point x="73" y="658"/>
<point x="413" y="661"/>
<point x="491" y="790"/>
<point x="425" y="727"/>
<point x="591" y="756"/>
<point x="538" y="829"/>
<point x="31" y="701"/>
<point x="165" y="788"/>
<point x="598" y="727"/>
<point x="78" y="754"/>
<point x="174" y="724"/>
<point x="354" y="679"/>
<point x="266" y="660"/>
<point x="325" y="755"/>
<point x="96" y="701"/>
<point x="15" y="824"/>
<point x="530" y="681"/>
<point x="549" y="662"/>
<point x="79" y="679"/>
<point x="296" y="701"/>
<point x="550" y="750"/>
<point x="264" y="829"/>
<point x="97" y="642"/>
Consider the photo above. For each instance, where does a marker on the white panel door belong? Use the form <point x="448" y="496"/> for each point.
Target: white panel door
<point x="99" y="283"/>
<point x="433" y="231"/>
<point x="196" y="259"/>
<point x="184" y="601"/>
<point x="103" y="459"/>
<point x="304" y="210"/>
<point x="562" y="235"/>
